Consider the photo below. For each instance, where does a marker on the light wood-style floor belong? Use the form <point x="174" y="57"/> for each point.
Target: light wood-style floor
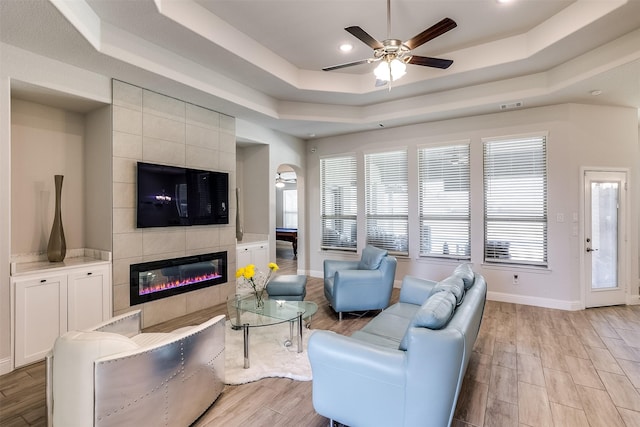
<point x="530" y="367"/>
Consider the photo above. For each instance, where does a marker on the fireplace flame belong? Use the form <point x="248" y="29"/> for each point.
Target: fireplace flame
<point x="149" y="289"/>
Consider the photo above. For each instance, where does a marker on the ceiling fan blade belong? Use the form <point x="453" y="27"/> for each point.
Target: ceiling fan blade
<point x="364" y="37"/>
<point x="430" y="62"/>
<point x="431" y="33"/>
<point x="348" y="64"/>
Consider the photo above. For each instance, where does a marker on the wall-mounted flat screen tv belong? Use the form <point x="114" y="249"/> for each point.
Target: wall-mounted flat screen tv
<point x="175" y="196"/>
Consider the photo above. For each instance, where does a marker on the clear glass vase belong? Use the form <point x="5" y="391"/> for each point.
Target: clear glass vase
<point x="259" y="299"/>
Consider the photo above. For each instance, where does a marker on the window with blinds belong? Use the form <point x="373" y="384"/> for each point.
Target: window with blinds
<point x="444" y="201"/>
<point x="386" y="201"/>
<point x="290" y="208"/>
<point x="515" y="201"/>
<point x="339" y="204"/>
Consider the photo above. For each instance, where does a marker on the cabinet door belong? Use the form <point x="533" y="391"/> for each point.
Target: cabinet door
<point x="89" y="297"/>
<point x="257" y="254"/>
<point x="260" y="255"/>
<point x="243" y="256"/>
<point x="40" y="316"/>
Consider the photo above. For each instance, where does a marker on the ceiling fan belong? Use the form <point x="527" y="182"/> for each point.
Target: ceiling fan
<point x="395" y="53"/>
<point x="287" y="179"/>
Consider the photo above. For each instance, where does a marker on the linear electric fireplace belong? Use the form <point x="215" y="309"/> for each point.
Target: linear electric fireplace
<point x="159" y="279"/>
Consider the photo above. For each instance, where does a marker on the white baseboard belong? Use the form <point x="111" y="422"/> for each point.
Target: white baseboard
<point x="535" y="301"/>
<point x="633" y="299"/>
<point x="5" y="365"/>
<point x="313" y="273"/>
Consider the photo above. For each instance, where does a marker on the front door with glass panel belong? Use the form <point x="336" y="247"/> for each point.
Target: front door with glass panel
<point x="604" y="243"/>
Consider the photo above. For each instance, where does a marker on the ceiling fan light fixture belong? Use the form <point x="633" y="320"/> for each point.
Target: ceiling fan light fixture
<point x="390" y="70"/>
<point x="346" y="47"/>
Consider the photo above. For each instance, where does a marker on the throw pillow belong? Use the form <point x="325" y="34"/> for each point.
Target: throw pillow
<point x="467" y="275"/>
<point x="452" y="284"/>
<point x="435" y="313"/>
<point x="371" y="258"/>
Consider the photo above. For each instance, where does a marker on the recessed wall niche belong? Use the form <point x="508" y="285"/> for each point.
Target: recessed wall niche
<point x="68" y="137"/>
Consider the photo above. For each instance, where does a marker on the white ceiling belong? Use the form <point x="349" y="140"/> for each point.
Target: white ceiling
<point x="261" y="60"/>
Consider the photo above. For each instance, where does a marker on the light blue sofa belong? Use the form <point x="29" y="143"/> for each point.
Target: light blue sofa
<point x="360" y="285"/>
<point x="406" y="366"/>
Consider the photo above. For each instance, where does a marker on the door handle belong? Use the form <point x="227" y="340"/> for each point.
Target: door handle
<point x="591" y="250"/>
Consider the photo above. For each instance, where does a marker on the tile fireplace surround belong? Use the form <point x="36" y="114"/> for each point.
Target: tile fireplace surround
<point x="151" y="127"/>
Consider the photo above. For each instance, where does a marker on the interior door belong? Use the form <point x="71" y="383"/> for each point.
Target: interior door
<point x="604" y="237"/>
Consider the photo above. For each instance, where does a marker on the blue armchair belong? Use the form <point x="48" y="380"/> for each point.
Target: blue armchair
<point x="360" y="285"/>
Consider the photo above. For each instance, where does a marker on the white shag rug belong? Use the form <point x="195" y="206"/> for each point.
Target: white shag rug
<point x="268" y="355"/>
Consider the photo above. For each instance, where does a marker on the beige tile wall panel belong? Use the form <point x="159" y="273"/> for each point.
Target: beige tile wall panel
<point x="164" y="309"/>
<point x="203" y="158"/>
<point x="124" y="195"/>
<point x="124" y="170"/>
<point x="203" y="298"/>
<point x="121" y="269"/>
<point x="163" y="241"/>
<point x="163" y="128"/>
<point x="121" y="296"/>
<point x="162" y="151"/>
<point x="163" y="106"/>
<point x="202" y="237"/>
<point x="127" y="120"/>
<point x="202" y="137"/>
<point x="227" y="143"/>
<point x="127" y="145"/>
<point x="127" y="95"/>
<point x="124" y="220"/>
<point x="228" y="124"/>
<point x="127" y="245"/>
<point x="203" y="117"/>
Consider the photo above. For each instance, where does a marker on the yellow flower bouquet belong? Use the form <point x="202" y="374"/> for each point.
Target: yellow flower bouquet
<point x="257" y="280"/>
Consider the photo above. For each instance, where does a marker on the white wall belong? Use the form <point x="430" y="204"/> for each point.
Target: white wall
<point x="282" y="149"/>
<point x="98" y="175"/>
<point x="578" y="135"/>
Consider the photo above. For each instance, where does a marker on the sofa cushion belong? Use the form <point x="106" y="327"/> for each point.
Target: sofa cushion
<point x="467" y="275"/>
<point x="435" y="313"/>
<point x="452" y="284"/>
<point x="371" y="258"/>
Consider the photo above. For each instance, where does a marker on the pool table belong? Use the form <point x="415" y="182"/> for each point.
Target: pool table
<point x="289" y="235"/>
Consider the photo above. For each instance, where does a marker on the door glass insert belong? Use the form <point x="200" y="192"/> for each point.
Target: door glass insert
<point x="604" y="232"/>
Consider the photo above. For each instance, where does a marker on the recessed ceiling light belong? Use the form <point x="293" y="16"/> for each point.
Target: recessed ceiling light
<point x="596" y="92"/>
<point x="503" y="1"/>
<point x="346" y="47"/>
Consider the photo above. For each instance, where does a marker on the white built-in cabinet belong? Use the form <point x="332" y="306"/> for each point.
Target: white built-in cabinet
<point x="256" y="253"/>
<point x="52" y="300"/>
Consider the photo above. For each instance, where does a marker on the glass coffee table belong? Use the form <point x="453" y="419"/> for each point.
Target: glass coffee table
<point x="244" y="315"/>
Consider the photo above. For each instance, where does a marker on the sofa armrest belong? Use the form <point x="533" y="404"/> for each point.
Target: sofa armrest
<point x="361" y="289"/>
<point x="332" y="265"/>
<point x="356" y="383"/>
<point x="415" y="290"/>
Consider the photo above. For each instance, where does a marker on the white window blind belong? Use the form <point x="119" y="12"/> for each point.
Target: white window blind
<point x="338" y="188"/>
<point x="444" y="201"/>
<point x="290" y="208"/>
<point x="515" y="198"/>
<point x="386" y="201"/>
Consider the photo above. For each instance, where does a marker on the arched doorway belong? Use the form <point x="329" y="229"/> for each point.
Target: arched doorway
<point x="287" y="216"/>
